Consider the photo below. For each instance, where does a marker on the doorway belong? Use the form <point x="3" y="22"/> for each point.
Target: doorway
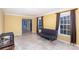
<point x="26" y="25"/>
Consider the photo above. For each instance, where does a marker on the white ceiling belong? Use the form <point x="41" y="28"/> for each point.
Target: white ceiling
<point x="31" y="11"/>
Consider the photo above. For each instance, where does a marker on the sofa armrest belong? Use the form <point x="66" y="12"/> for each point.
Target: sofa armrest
<point x="6" y="39"/>
<point x="9" y="35"/>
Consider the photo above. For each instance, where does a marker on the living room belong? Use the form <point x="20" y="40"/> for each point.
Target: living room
<point x="45" y="25"/>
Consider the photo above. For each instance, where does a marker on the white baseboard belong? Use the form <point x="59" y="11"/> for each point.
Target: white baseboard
<point x="68" y="42"/>
<point x="77" y="45"/>
<point x="64" y="41"/>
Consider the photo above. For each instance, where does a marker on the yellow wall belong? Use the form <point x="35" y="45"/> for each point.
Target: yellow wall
<point x="49" y="21"/>
<point x="13" y="24"/>
<point x="77" y="25"/>
<point x="64" y="37"/>
<point x="34" y="25"/>
<point x="1" y="21"/>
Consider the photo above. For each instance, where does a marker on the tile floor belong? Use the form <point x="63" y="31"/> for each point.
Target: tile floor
<point x="30" y="41"/>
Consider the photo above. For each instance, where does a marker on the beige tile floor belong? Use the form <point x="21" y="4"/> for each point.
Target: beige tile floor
<point x="30" y="41"/>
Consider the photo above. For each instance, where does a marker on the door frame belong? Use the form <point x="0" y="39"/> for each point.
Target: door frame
<point x="22" y="24"/>
<point x="30" y="24"/>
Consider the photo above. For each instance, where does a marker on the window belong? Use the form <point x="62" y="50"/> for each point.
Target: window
<point x="65" y="23"/>
<point x="39" y="24"/>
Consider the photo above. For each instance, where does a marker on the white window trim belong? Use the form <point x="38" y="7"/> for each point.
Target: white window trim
<point x="38" y="21"/>
<point x="61" y="15"/>
<point x="39" y="30"/>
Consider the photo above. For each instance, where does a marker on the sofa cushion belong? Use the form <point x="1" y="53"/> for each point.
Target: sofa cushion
<point x="49" y="31"/>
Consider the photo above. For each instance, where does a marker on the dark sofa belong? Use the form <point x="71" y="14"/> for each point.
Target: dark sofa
<point x="6" y="39"/>
<point x="49" y="34"/>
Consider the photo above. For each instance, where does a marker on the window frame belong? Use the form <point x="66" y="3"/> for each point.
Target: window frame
<point x="39" y="19"/>
<point x="63" y="15"/>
